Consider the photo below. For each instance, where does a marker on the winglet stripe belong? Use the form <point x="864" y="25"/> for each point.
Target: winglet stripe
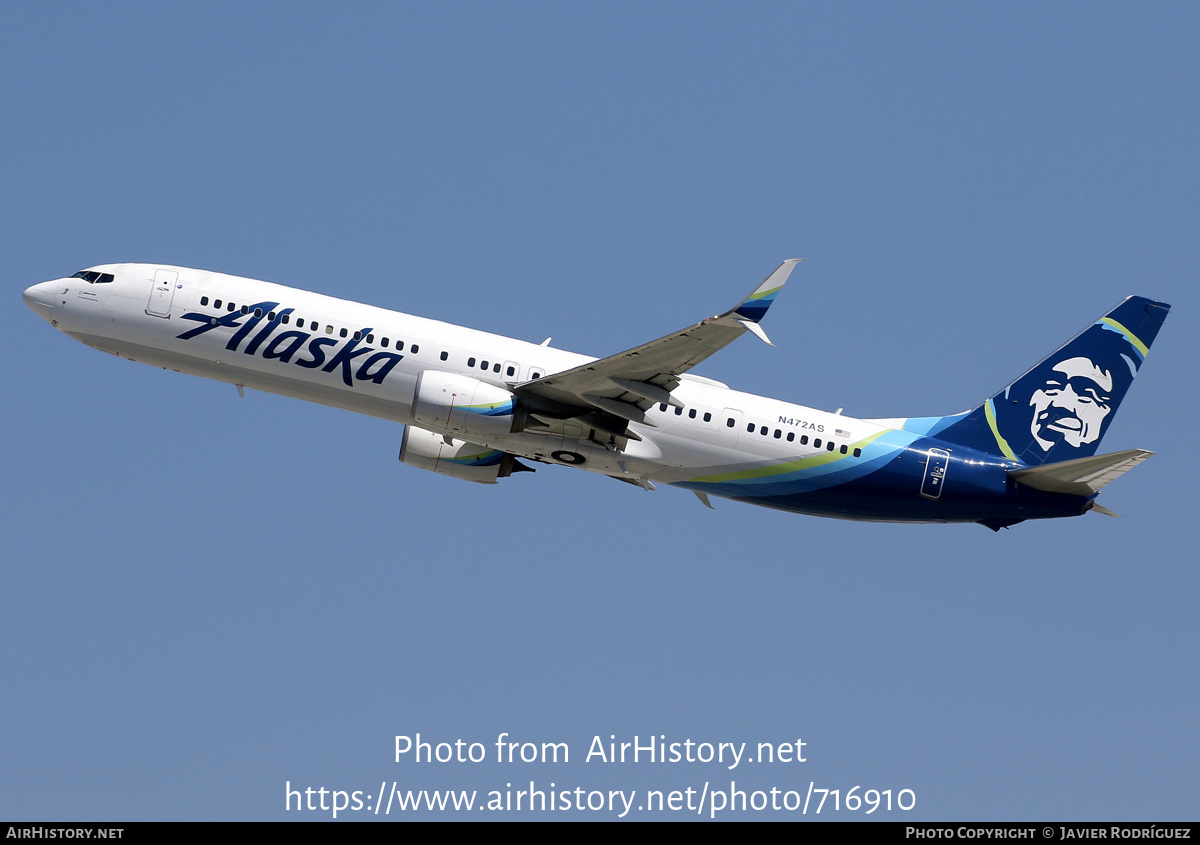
<point x="754" y="307"/>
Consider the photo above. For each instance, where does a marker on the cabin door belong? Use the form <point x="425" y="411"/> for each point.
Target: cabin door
<point x="163" y="292"/>
<point x="727" y="434"/>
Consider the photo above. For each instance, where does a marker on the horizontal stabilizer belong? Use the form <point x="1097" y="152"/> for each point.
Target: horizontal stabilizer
<point x="1082" y="476"/>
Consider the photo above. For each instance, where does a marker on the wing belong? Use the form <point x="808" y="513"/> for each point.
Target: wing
<point x="610" y="392"/>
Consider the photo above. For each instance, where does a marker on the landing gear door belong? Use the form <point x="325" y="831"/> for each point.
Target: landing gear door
<point x="163" y="292"/>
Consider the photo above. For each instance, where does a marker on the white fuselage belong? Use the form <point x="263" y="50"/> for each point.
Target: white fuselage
<point x="292" y="348"/>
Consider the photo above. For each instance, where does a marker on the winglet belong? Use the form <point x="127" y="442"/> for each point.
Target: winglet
<point x="754" y="307"/>
<point x="755" y="329"/>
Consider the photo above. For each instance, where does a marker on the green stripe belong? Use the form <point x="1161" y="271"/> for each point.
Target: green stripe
<point x="465" y="458"/>
<point x="491" y="406"/>
<point x="784" y="468"/>
<point x="1130" y="336"/>
<point x="1005" y="449"/>
<point x="757" y="295"/>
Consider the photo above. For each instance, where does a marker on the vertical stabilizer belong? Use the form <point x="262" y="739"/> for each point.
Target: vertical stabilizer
<point x="1060" y="409"/>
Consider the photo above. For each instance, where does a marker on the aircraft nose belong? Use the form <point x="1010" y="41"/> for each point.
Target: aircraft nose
<point x="40" y="299"/>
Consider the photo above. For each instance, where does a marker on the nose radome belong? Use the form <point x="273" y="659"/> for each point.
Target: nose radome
<point x="40" y="299"/>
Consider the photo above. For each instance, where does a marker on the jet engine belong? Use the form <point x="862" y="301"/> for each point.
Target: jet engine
<point x="458" y="459"/>
<point x="458" y="404"/>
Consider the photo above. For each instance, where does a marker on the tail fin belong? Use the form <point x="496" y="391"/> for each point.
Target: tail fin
<point x="1059" y="410"/>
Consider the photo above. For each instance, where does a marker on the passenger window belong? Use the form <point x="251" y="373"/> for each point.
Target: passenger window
<point x="284" y="319"/>
<point x="791" y="436"/>
<point x="707" y="416"/>
<point x="763" y="431"/>
<point x="750" y="428"/>
<point x="537" y="375"/>
<point x="692" y="414"/>
<point x="204" y="300"/>
<point x="217" y="305"/>
<point x="230" y="307"/>
<point x="329" y="330"/>
<point x="858" y="453"/>
<point x="370" y="338"/>
<point x="357" y="335"/>
<point x="817" y="443"/>
<point x="342" y="332"/>
<point x="446" y="355"/>
<point x="729" y="423"/>
<point x="257" y="313"/>
<point x="483" y="365"/>
<point x="271" y="315"/>
<point x="412" y="349"/>
<point x="679" y="412"/>
<point x="245" y="309"/>
<point x="400" y="346"/>
<point x="830" y="446"/>
<point x="384" y="343"/>
<point x="778" y="434"/>
<point x="495" y="368"/>
<point x="662" y="407"/>
<point x="844" y="450"/>
<point x="511" y="371"/>
<point x="470" y="362"/>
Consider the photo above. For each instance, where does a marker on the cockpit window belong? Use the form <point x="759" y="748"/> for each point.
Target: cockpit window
<point x="94" y="278"/>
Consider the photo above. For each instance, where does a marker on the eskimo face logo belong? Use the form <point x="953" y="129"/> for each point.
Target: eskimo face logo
<point x="1072" y="404"/>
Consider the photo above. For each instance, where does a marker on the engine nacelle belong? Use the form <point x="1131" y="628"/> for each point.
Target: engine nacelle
<point x="458" y="404"/>
<point x="459" y="459"/>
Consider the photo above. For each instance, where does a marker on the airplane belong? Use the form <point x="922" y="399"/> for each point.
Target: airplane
<point x="474" y="404"/>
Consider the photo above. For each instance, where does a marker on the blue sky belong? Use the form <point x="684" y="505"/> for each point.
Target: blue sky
<point x="206" y="597"/>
